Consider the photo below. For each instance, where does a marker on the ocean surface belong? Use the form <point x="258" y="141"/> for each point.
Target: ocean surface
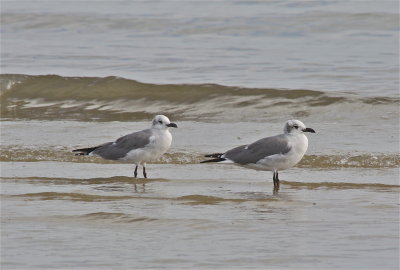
<point x="81" y="73"/>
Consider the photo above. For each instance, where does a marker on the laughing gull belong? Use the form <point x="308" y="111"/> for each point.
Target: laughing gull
<point x="138" y="147"/>
<point x="274" y="153"/>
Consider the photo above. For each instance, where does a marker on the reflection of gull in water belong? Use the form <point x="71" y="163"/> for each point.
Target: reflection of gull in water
<point x="274" y="153"/>
<point x="138" y="147"/>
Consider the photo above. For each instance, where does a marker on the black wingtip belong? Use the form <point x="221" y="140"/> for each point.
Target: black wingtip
<point x="213" y="160"/>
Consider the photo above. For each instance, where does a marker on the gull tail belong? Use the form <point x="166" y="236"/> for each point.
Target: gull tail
<point x="84" y="151"/>
<point x="216" y="158"/>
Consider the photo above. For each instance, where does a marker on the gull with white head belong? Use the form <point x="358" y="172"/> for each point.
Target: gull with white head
<point x="138" y="147"/>
<point x="274" y="153"/>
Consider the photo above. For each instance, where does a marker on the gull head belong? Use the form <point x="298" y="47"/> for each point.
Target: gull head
<point x="296" y="127"/>
<point x="162" y="122"/>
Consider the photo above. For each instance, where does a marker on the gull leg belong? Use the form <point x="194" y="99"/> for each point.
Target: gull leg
<point x="276" y="180"/>
<point x="135" y="172"/>
<point x="144" y="170"/>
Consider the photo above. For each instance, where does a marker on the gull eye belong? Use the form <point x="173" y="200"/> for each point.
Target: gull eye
<point x="296" y="126"/>
<point x="160" y="122"/>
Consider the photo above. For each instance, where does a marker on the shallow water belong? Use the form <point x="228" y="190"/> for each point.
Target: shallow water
<point x="226" y="78"/>
<point x="206" y="221"/>
<point x="63" y="211"/>
<point x="67" y="211"/>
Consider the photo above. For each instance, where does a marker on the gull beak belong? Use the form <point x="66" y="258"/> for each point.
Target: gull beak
<point x="172" y="125"/>
<point x="309" y="130"/>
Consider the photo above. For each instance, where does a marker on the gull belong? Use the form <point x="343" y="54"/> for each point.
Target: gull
<point x="138" y="147"/>
<point x="274" y="153"/>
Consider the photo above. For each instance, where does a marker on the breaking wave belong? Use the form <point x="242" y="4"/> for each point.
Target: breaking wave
<point x="49" y="97"/>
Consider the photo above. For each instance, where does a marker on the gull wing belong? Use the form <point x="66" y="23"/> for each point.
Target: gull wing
<point x="252" y="153"/>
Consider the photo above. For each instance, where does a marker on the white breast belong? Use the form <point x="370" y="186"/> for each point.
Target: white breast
<point x="299" y="144"/>
<point x="160" y="142"/>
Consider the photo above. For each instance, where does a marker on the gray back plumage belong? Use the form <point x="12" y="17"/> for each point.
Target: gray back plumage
<point x="258" y="150"/>
<point x="119" y="148"/>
